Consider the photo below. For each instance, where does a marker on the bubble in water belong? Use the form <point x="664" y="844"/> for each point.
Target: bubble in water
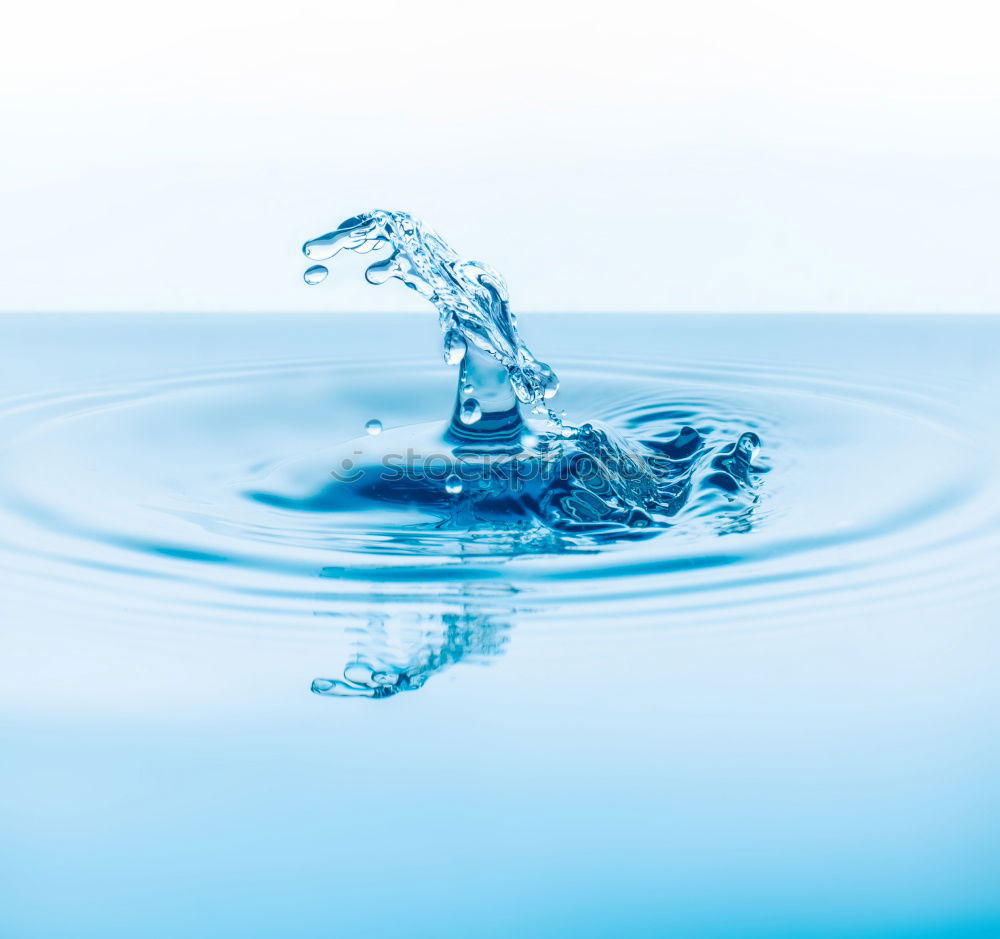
<point x="315" y="274"/>
<point x="454" y="347"/>
<point x="374" y="427"/>
<point x="470" y="412"/>
<point x="453" y="484"/>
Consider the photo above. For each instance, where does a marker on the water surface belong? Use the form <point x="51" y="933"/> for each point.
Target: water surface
<point x="771" y="716"/>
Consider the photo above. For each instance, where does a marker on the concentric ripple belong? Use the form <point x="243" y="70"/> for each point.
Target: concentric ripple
<point x="140" y="494"/>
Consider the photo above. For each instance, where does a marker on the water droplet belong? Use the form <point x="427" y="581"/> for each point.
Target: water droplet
<point x="315" y="274"/>
<point x="468" y="388"/>
<point x="520" y="386"/>
<point x="549" y="381"/>
<point x="382" y="271"/>
<point x="453" y="484"/>
<point x="374" y="427"/>
<point x="454" y="347"/>
<point x="470" y="412"/>
<point x="350" y="234"/>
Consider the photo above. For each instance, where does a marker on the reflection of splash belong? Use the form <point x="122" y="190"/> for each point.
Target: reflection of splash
<point x="400" y="650"/>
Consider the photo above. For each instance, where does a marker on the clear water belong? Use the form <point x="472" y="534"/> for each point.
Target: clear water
<point x="508" y="474"/>
<point x="772" y="713"/>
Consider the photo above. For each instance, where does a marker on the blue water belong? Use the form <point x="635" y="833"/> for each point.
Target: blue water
<point x="771" y="714"/>
<point x="509" y="469"/>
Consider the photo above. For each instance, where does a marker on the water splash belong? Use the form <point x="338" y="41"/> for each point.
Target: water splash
<point x="219" y="506"/>
<point x="471" y="297"/>
<point x="497" y="467"/>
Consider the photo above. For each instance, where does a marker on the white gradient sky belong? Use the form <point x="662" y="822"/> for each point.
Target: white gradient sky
<point x="729" y="156"/>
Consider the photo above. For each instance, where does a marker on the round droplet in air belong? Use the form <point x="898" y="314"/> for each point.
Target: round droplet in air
<point x="548" y="380"/>
<point x="453" y="484"/>
<point x="468" y="388"/>
<point x="454" y="347"/>
<point x="374" y="427"/>
<point x="315" y="274"/>
<point x="470" y="412"/>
